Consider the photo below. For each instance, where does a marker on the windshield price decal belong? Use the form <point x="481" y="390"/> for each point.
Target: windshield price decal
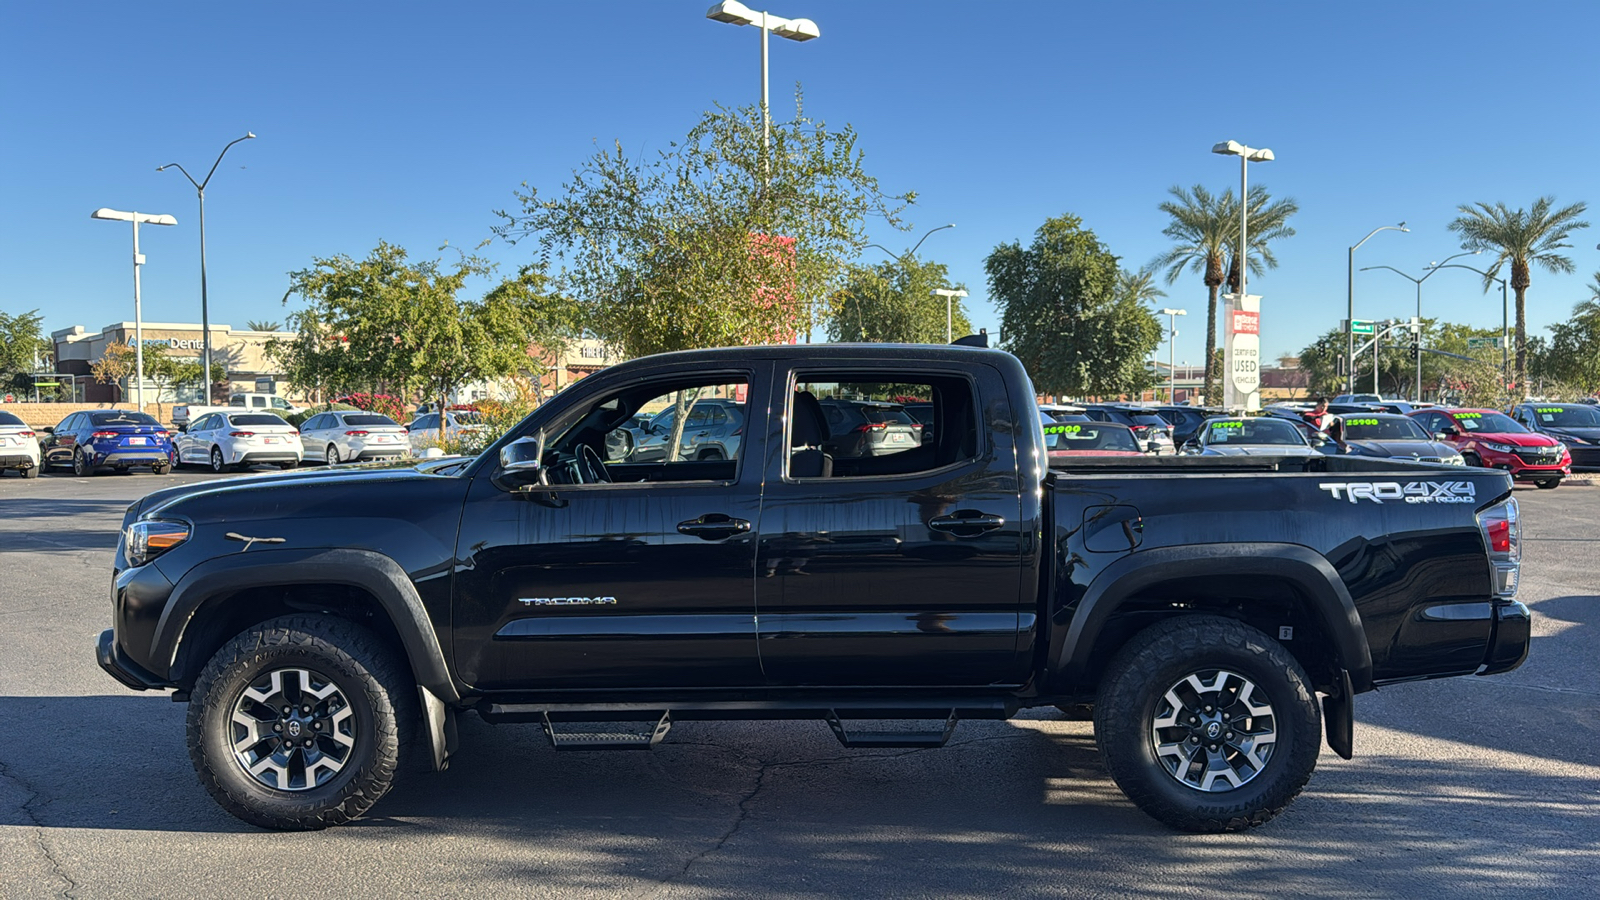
<point x="1410" y="492"/>
<point x="1062" y="429"/>
<point x="1227" y="424"/>
<point x="1361" y="421"/>
<point x="1469" y="415"/>
<point x="1551" y="409"/>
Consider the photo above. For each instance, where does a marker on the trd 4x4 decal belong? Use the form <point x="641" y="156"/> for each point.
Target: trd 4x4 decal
<point x="1410" y="491"/>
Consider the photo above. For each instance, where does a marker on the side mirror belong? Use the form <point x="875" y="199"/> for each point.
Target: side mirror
<point x="1441" y="436"/>
<point x="1450" y="431"/>
<point x="46" y="430"/>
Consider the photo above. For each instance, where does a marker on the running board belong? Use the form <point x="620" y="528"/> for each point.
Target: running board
<point x="885" y="739"/>
<point x="614" y="738"/>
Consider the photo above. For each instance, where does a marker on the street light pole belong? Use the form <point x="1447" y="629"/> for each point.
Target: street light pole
<point x="1505" y="317"/>
<point x="1350" y="305"/>
<point x="735" y="13"/>
<point x="1431" y="267"/>
<point x="138" y="260"/>
<point x="205" y="315"/>
<point x="1172" y="342"/>
<point x="949" y="310"/>
<point x="1242" y="255"/>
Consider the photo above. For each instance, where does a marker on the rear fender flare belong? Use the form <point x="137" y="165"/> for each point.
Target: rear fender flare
<point x="1304" y="568"/>
<point x="372" y="572"/>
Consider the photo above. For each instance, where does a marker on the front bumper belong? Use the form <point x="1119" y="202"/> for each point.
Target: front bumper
<point x="1508" y="646"/>
<point x="1585" y="458"/>
<point x="119" y="666"/>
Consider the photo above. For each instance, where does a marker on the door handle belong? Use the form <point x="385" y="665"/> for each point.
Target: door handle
<point x="714" y="527"/>
<point x="966" y="523"/>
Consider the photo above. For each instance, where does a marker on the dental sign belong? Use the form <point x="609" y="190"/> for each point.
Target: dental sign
<point x="176" y="343"/>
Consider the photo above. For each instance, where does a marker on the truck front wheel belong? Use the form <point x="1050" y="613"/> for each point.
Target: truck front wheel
<point x="297" y="723"/>
<point x="1207" y="724"/>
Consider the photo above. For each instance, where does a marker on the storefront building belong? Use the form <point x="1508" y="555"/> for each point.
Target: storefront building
<point x="238" y="360"/>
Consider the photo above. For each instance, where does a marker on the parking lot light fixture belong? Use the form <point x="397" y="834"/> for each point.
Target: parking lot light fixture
<point x="1246" y="156"/>
<point x="949" y="309"/>
<point x="205" y="318"/>
<point x="138" y="260"/>
<point x="735" y="13"/>
<point x="1172" y="336"/>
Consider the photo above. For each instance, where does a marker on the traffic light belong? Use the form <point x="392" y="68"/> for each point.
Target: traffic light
<point x="1416" y="349"/>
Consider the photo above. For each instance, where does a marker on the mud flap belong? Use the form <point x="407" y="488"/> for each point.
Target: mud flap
<point x="439" y="721"/>
<point x="1339" y="717"/>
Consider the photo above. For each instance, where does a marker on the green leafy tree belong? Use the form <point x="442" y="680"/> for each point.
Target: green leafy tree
<point x="388" y="322"/>
<point x="894" y="302"/>
<point x="1269" y="222"/>
<point x="1201" y="224"/>
<point x="170" y="373"/>
<point x="22" y="344"/>
<point x="1064" y="316"/>
<point x="1574" y="350"/>
<point x="114" y="365"/>
<point x="1522" y="238"/>
<point x="713" y="241"/>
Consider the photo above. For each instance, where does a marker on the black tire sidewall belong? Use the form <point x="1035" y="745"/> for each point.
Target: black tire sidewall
<point x="282" y="644"/>
<point x="1157" y="659"/>
<point x="217" y="465"/>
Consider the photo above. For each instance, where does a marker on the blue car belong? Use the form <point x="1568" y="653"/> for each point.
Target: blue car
<point x="119" y="439"/>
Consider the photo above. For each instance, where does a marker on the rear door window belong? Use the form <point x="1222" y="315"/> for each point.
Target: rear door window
<point x="869" y="431"/>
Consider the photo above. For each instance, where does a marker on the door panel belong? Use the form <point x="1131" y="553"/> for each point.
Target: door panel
<point x="908" y="578"/>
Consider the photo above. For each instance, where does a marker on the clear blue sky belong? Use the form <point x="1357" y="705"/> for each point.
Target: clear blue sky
<point x="412" y="122"/>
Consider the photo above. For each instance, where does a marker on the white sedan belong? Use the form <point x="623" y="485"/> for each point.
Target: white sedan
<point x="353" y="435"/>
<point x="239" y="440"/>
<point x="459" y="423"/>
<point x="19" y="446"/>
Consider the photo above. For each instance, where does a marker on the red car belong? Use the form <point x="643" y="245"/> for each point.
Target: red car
<point x="1494" y="440"/>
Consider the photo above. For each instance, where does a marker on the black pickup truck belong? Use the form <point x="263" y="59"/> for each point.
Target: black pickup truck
<point x="326" y="625"/>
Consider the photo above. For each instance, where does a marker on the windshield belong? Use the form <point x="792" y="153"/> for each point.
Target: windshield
<point x="1568" y="416"/>
<point x="370" y="420"/>
<point x="1488" y="423"/>
<point x="1385" y="428"/>
<point x="1148" y="420"/>
<point x="256" y="419"/>
<point x="1089" y="436"/>
<point x="1253" y="431"/>
<point x="121" y="418"/>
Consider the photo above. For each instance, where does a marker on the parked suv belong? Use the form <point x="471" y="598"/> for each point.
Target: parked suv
<point x="714" y="430"/>
<point x="869" y="428"/>
<point x="1494" y="440"/>
<point x="1186" y="420"/>
<point x="1149" y="429"/>
<point x="1575" y="424"/>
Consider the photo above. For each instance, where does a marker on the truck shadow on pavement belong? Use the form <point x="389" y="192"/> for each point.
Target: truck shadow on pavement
<point x="745" y="809"/>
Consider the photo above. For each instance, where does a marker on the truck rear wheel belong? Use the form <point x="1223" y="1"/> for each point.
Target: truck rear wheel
<point x="1207" y="724"/>
<point x="299" y="722"/>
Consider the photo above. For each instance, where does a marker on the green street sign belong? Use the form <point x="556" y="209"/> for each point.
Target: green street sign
<point x="1361" y="326"/>
<point x="1475" y="343"/>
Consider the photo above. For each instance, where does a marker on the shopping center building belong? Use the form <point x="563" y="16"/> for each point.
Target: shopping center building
<point x="238" y="359"/>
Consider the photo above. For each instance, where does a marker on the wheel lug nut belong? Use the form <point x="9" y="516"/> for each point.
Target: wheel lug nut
<point x="305" y="709"/>
<point x="1226" y="717"/>
<point x="1208" y="709"/>
<point x="1194" y="740"/>
<point x="278" y="727"/>
<point x="316" y="726"/>
<point x="1213" y="746"/>
<point x="1229" y="735"/>
<point x="287" y="710"/>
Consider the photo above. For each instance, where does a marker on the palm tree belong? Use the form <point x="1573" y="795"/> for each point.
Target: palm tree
<point x="1522" y="237"/>
<point x="255" y="325"/>
<point x="1140" y="286"/>
<point x="1268" y="222"/>
<point x="1201" y="223"/>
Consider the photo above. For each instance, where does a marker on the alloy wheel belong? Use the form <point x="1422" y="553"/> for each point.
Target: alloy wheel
<point x="292" y="730"/>
<point x="217" y="464"/>
<point x="1214" y="730"/>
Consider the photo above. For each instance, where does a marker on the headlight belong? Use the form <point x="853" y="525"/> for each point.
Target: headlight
<point x="1498" y="448"/>
<point x="1456" y="460"/>
<point x="149" y="539"/>
<point x="1572" y="441"/>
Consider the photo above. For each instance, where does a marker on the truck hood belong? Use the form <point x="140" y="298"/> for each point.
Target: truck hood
<point x="375" y="472"/>
<point x="1592" y="435"/>
<point x="1515" y="440"/>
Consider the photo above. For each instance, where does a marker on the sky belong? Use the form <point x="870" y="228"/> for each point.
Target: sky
<point x="412" y="123"/>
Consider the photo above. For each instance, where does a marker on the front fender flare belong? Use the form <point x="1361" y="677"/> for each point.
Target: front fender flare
<point x="370" y="571"/>
<point x="1306" y="569"/>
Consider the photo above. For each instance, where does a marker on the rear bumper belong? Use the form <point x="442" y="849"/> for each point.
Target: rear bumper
<point x="1508" y="647"/>
<point x="119" y="666"/>
<point x="266" y="456"/>
<point x="394" y="451"/>
<point x="17" y="461"/>
<point x="142" y="457"/>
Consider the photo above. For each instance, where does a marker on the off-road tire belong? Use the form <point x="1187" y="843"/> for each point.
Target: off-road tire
<point x="373" y="679"/>
<point x="1131" y="694"/>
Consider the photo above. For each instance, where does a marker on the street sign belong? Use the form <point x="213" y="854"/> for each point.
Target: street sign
<point x="1475" y="343"/>
<point x="1361" y="326"/>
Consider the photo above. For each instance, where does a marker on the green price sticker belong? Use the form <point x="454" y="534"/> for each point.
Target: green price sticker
<point x="1551" y="409"/>
<point x="1469" y="415"/>
<point x="1361" y="421"/>
<point x="1062" y="429"/>
<point x="1227" y="424"/>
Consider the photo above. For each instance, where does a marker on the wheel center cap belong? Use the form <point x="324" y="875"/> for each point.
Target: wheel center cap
<point x="294" y="728"/>
<point x="1213" y="729"/>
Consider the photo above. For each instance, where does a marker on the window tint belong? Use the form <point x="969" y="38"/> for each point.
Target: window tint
<point x="255" y="419"/>
<point x="431" y="420"/>
<point x="8" y="419"/>
<point x="713" y="431"/>
<point x="1567" y="416"/>
<point x="258" y="402"/>
<point x="370" y="419"/>
<point x="868" y="429"/>
<point x="121" y="417"/>
<point x="280" y="403"/>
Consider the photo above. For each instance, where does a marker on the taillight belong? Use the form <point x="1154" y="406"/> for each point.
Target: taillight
<point x="163" y="434"/>
<point x="25" y="434"/>
<point x="871" y="426"/>
<point x="355" y="434"/>
<point x="104" y="434"/>
<point x="1502" y="537"/>
<point x="241" y="434"/>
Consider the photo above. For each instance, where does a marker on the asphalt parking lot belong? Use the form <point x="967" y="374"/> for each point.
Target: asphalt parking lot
<point x="1464" y="787"/>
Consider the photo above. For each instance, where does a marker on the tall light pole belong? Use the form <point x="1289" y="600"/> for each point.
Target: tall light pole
<point x="1172" y="339"/>
<point x="949" y="309"/>
<point x="1350" y="305"/>
<point x="1432" y="268"/>
<point x="1505" y="316"/>
<point x="205" y="316"/>
<point x="735" y="13"/>
<point x="138" y="260"/>
<point x="1246" y="156"/>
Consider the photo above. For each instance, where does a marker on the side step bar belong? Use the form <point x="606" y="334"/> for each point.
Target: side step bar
<point x="877" y="739"/>
<point x="613" y="738"/>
